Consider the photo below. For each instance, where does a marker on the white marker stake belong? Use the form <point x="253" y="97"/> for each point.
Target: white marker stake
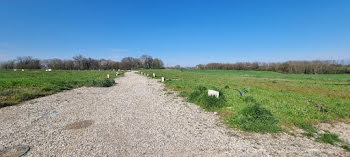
<point x="154" y="75"/>
<point x="107" y="75"/>
<point x="162" y="79"/>
<point x="213" y="93"/>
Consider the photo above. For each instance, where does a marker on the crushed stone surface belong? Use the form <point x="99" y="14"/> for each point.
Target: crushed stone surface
<point x="137" y="117"/>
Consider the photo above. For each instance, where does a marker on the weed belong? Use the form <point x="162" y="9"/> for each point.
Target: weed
<point x="104" y="83"/>
<point x="255" y="118"/>
<point x="328" y="137"/>
<point x="310" y="131"/>
<point x="346" y="147"/>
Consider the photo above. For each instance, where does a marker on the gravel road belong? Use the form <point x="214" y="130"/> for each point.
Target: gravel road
<point x="137" y="117"/>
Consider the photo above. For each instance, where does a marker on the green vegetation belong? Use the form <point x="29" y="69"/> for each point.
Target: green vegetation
<point x="18" y="86"/>
<point x="255" y="118"/>
<point x="286" y="100"/>
<point x="200" y="96"/>
<point x="332" y="139"/>
<point x="328" y="137"/>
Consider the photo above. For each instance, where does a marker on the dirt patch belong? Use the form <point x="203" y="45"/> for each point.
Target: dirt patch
<point x="79" y="125"/>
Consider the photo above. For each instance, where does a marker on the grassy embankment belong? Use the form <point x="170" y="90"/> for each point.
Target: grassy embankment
<point x="18" y="86"/>
<point x="270" y="101"/>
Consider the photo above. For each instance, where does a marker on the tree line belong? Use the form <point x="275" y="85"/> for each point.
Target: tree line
<point x="297" y="67"/>
<point x="80" y="62"/>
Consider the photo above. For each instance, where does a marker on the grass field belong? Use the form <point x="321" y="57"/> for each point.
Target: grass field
<point x="270" y="101"/>
<point x="18" y="86"/>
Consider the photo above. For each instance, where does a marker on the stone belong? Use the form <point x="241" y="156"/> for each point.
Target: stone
<point x="213" y="93"/>
<point x="154" y="75"/>
<point x="163" y="79"/>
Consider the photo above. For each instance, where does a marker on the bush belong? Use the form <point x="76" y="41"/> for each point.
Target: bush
<point x="200" y="97"/>
<point x="255" y="118"/>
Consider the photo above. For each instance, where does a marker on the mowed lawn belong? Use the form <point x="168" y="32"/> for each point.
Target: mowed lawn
<point x="18" y="86"/>
<point x="295" y="100"/>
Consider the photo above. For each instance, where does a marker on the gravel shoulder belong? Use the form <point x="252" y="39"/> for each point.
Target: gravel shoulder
<point x="137" y="117"/>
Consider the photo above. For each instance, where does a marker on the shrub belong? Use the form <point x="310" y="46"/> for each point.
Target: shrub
<point x="200" y="97"/>
<point x="255" y="118"/>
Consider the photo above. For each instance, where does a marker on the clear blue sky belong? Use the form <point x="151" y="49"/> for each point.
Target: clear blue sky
<point x="184" y="32"/>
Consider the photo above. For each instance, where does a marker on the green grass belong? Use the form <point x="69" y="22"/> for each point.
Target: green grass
<point x="255" y="118"/>
<point x="200" y="96"/>
<point x="328" y="137"/>
<point x="18" y="86"/>
<point x="294" y="100"/>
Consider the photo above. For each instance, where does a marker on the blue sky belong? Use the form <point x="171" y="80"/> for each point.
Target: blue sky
<point x="185" y="32"/>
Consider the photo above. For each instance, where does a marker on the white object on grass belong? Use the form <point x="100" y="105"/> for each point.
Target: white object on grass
<point x="213" y="93"/>
<point x="107" y="75"/>
<point x="154" y="75"/>
<point x="162" y="79"/>
<point x="22" y="69"/>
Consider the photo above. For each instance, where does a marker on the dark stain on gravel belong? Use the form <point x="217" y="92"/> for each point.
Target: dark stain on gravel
<point x="15" y="151"/>
<point x="79" y="125"/>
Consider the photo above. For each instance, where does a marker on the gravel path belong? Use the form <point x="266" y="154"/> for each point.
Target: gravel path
<point x="137" y="117"/>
